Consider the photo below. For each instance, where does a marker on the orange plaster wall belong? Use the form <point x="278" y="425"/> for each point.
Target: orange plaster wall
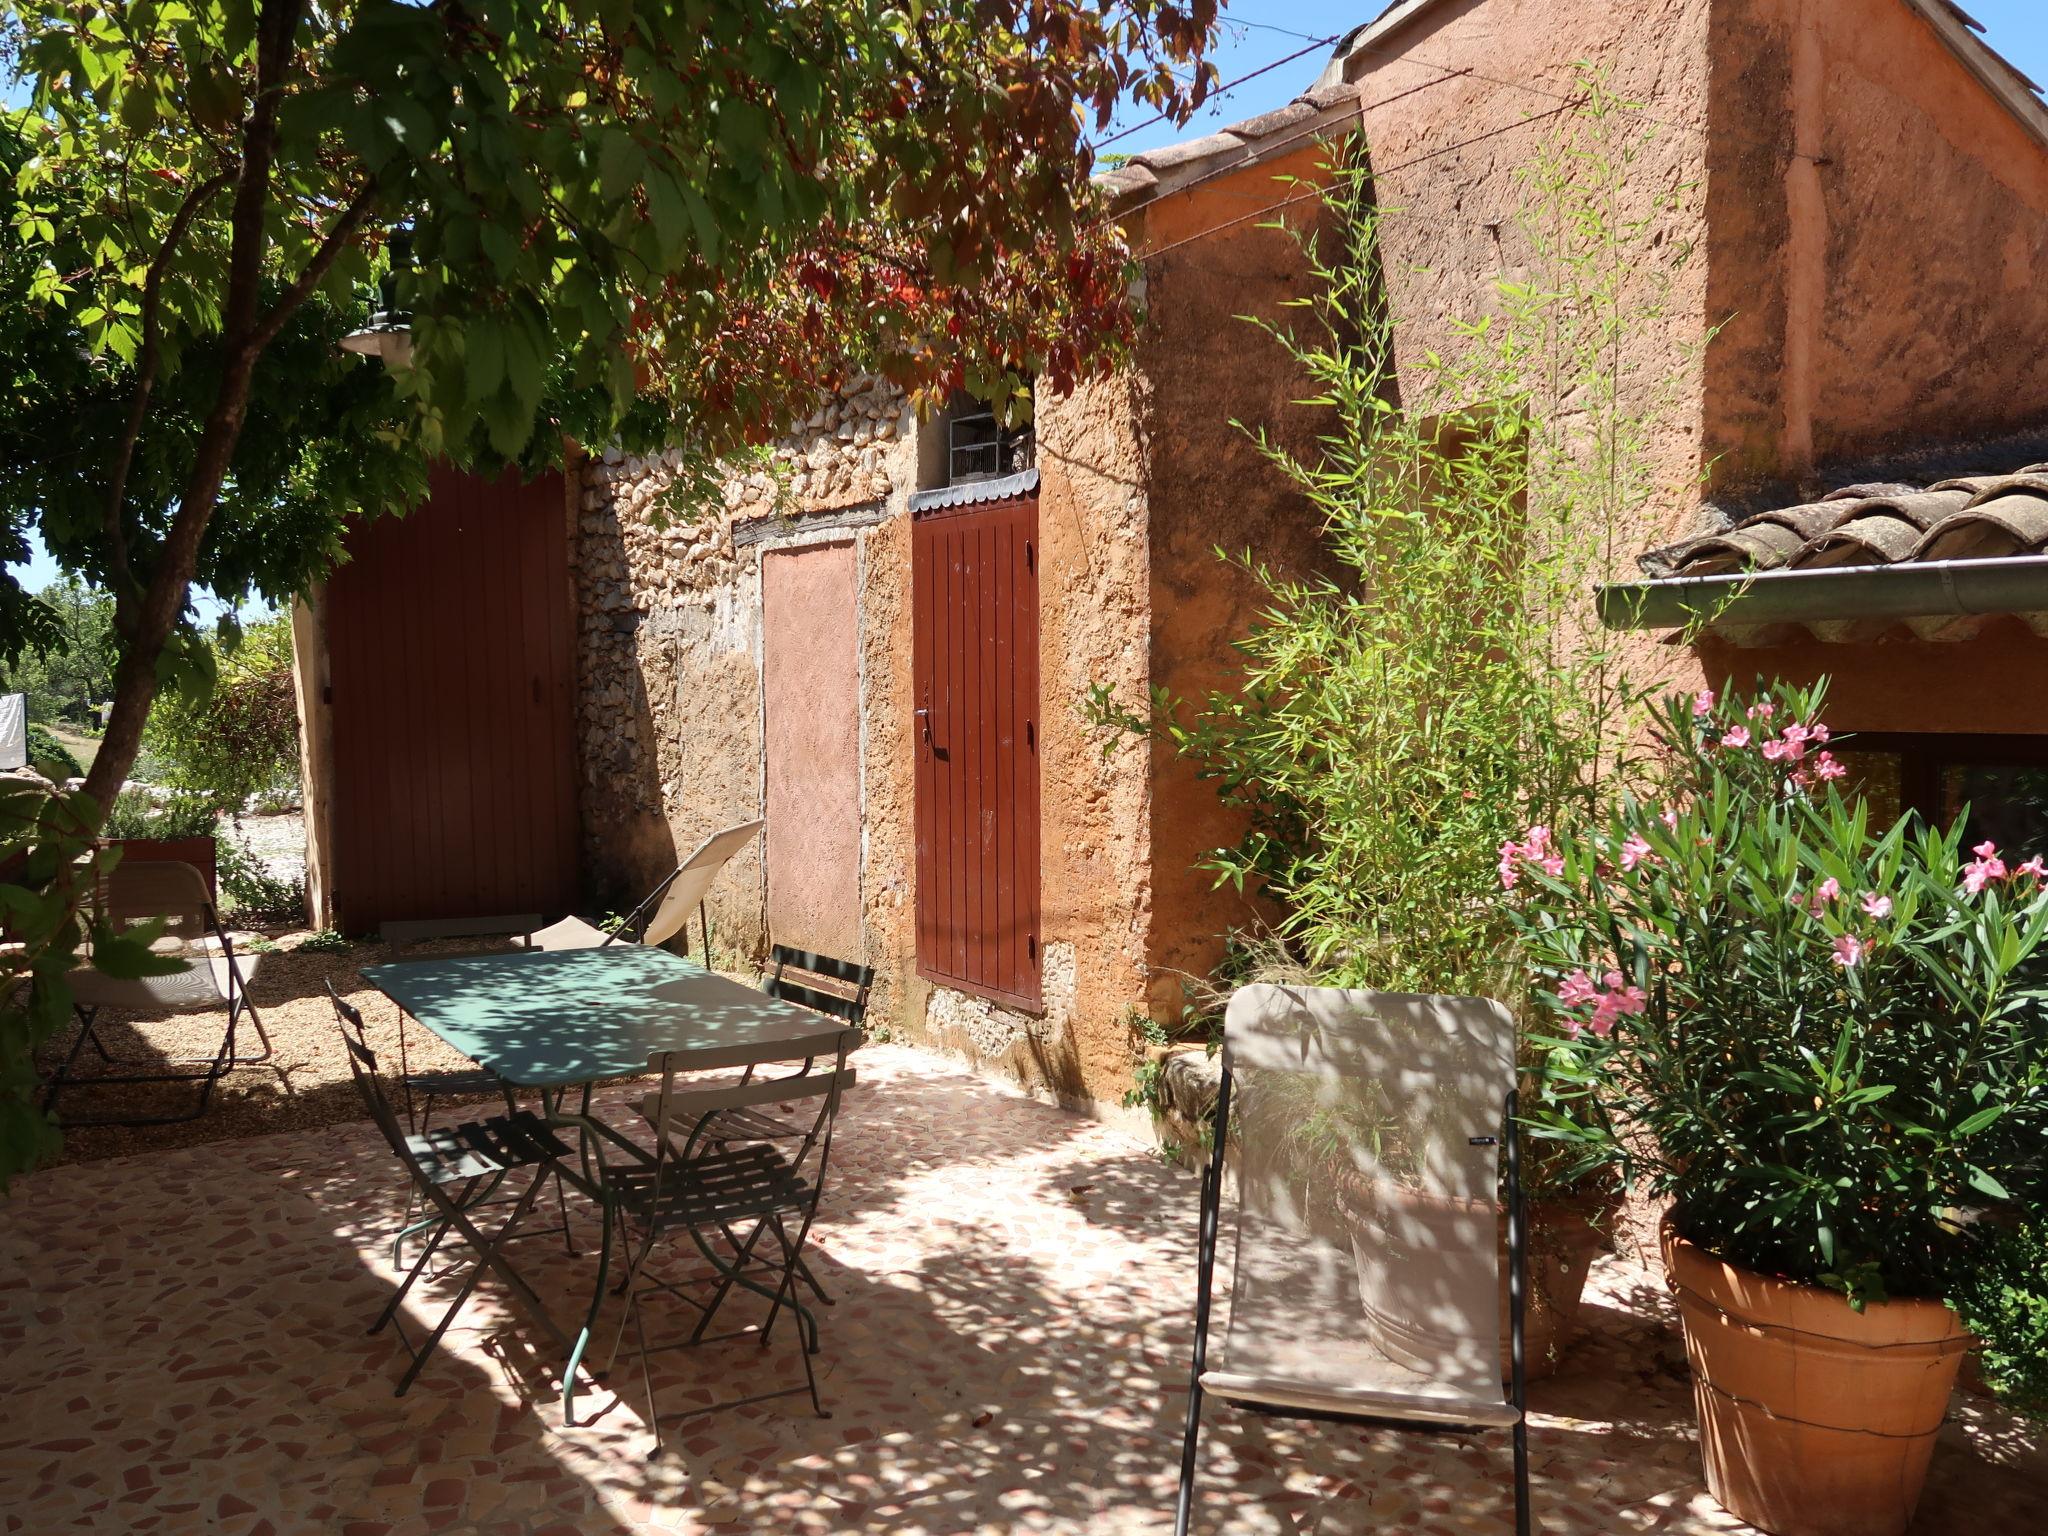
<point x="1890" y="295"/>
<point x="1207" y="487"/>
<point x="1997" y="682"/>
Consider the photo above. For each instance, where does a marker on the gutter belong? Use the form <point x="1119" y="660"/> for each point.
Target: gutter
<point x="1926" y="589"/>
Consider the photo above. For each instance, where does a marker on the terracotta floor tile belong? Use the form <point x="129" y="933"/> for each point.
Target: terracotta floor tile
<point x="1014" y="1290"/>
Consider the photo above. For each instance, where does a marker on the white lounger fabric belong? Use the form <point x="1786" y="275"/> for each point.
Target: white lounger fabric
<point x="1367" y="1275"/>
<point x="569" y="933"/>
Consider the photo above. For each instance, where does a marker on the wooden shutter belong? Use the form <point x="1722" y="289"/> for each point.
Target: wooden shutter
<point x="451" y="658"/>
<point x="975" y="580"/>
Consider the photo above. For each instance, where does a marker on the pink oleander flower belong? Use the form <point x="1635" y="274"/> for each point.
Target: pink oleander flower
<point x="1983" y="869"/>
<point x="1669" y="817"/>
<point x="1763" y="709"/>
<point x="1510" y="864"/>
<point x="1736" y="736"/>
<point x="1827" y="890"/>
<point x="1551" y="864"/>
<point x="1849" y="950"/>
<point x="1634" y="851"/>
<point x="1703" y="703"/>
<point x="1817" y="734"/>
<point x="1617" y="1003"/>
<point x="1796" y="733"/>
<point x="1783" y="751"/>
<point x="1826" y="767"/>
<point x="1876" y="905"/>
<point x="2036" y="866"/>
<point x="1576" y="990"/>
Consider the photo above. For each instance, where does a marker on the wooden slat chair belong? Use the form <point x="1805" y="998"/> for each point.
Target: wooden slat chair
<point x="1366" y="1131"/>
<point x="456" y="1173"/>
<point x="730" y="1196"/>
<point x="665" y="911"/>
<point x="175" y="895"/>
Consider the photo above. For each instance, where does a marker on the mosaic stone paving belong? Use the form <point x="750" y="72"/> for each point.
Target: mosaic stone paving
<point x="185" y="1351"/>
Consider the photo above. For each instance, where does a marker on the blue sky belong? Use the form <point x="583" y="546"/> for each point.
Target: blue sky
<point x="1259" y="32"/>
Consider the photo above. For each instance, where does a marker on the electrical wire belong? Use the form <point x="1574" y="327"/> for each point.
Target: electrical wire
<point x="1222" y="90"/>
<point x="1319" y="191"/>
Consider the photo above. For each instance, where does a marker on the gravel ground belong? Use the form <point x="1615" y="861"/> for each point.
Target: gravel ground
<point x="305" y="1084"/>
<point x="279" y="841"/>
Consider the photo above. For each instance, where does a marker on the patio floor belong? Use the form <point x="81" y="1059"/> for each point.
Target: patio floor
<point x="185" y="1351"/>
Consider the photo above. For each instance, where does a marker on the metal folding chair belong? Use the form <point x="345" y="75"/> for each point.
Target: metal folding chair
<point x="139" y="891"/>
<point x="729" y="1197"/>
<point x="665" y="911"/>
<point x="457" y="1172"/>
<point x="1367" y="1130"/>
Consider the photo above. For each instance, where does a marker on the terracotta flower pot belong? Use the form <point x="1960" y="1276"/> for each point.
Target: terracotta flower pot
<point x="1565" y="1236"/>
<point x="1815" y="1419"/>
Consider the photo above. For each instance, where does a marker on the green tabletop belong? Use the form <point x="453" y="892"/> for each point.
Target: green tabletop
<point x="557" y="1018"/>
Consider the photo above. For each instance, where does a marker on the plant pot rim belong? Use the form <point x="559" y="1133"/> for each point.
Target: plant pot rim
<point x="1744" y="1295"/>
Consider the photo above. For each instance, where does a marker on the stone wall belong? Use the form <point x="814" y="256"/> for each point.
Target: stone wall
<point x="669" y="653"/>
<point x="671" y="715"/>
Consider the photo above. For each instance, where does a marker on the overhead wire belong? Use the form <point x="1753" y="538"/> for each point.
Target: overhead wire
<point x="1319" y="191"/>
<point x="1222" y="90"/>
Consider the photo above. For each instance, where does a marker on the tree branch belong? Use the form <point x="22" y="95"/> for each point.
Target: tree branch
<point x="196" y="198"/>
<point x="317" y="266"/>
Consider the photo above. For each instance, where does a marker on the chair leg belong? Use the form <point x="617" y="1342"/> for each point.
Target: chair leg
<point x="1184" y="1506"/>
<point x="1522" y="1476"/>
<point x="486" y="1257"/>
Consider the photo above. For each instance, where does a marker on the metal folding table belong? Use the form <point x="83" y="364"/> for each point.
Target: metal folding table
<point x="566" y="1019"/>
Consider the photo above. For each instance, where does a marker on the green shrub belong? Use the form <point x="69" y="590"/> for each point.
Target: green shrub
<point x="2000" y="1289"/>
<point x="50" y="757"/>
<point x="250" y="891"/>
<point x="138" y="813"/>
<point x="1817" y="1039"/>
<point x="241" y="741"/>
<point x="327" y="941"/>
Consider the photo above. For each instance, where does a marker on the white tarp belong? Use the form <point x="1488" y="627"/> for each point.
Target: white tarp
<point x="13" y="731"/>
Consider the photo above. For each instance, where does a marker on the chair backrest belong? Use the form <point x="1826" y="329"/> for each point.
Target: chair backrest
<point x="682" y="1108"/>
<point x="139" y="890"/>
<point x="1366" y="1131"/>
<point x="819" y="982"/>
<point x="362" y="1066"/>
<point x="683" y="890"/>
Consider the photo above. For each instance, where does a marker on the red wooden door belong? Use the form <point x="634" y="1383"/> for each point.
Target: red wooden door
<point x="449" y="637"/>
<point x="974" y="572"/>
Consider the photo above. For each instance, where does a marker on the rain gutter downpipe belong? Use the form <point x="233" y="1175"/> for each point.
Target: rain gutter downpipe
<point x="1917" y="590"/>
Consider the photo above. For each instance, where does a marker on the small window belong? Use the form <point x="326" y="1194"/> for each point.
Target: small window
<point x="978" y="447"/>
<point x="1998" y="783"/>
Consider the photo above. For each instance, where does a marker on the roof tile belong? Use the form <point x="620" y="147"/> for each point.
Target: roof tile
<point x="1883" y="522"/>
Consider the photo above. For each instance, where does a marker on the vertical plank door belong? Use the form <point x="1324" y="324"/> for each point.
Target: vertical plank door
<point x="974" y="574"/>
<point x="450" y="659"/>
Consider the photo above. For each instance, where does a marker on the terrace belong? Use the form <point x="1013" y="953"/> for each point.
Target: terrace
<point x="1008" y="1352"/>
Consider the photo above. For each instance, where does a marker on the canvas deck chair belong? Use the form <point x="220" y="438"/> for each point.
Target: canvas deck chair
<point x="666" y="910"/>
<point x="1366" y="1131"/>
<point x="138" y="891"/>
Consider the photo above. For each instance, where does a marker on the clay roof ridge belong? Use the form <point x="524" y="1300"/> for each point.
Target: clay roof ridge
<point x="1158" y="172"/>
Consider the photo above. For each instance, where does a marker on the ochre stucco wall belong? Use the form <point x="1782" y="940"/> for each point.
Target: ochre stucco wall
<point x="1208" y="488"/>
<point x="1891" y="294"/>
<point x="1996" y="682"/>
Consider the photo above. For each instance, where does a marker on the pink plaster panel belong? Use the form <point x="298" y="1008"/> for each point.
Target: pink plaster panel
<point x="810" y="673"/>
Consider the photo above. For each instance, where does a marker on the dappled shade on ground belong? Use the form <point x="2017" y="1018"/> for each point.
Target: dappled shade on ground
<point x="1008" y="1353"/>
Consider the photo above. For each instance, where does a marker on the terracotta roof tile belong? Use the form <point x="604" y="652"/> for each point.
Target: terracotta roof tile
<point x="1875" y="522"/>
